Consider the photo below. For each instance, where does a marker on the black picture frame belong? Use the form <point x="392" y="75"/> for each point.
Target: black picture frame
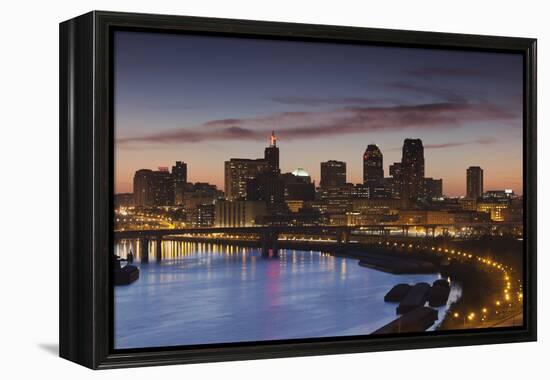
<point x="86" y="188"/>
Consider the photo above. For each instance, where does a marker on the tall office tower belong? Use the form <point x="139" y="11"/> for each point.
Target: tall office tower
<point x="271" y="155"/>
<point x="373" y="169"/>
<point x="153" y="188"/>
<point x="474" y="182"/>
<point x="162" y="187"/>
<point x="237" y="172"/>
<point x="395" y="180"/>
<point x="143" y="196"/>
<point x="179" y="173"/>
<point x="412" y="169"/>
<point x="333" y="173"/>
<point x="433" y="188"/>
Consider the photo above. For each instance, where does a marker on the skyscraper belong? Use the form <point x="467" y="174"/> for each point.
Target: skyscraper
<point x="240" y="171"/>
<point x="373" y="169"/>
<point x="433" y="188"/>
<point x="409" y="173"/>
<point x="271" y="155"/>
<point x="237" y="172"/>
<point x="143" y="195"/>
<point x="153" y="188"/>
<point x="395" y="180"/>
<point x="162" y="187"/>
<point x="179" y="173"/>
<point x="474" y="182"/>
<point x="333" y="173"/>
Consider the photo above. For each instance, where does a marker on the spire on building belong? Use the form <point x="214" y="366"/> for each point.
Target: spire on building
<point x="273" y="139"/>
<point x="271" y="155"/>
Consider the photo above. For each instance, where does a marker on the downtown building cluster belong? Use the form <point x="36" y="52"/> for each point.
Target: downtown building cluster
<point x="258" y="193"/>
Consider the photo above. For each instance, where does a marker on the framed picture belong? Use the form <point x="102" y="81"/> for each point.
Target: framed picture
<point x="237" y="189"/>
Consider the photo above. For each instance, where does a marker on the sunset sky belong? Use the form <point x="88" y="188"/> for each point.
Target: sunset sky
<point x="204" y="100"/>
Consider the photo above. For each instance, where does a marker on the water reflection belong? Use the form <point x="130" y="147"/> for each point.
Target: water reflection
<point x="173" y="249"/>
<point x="203" y="293"/>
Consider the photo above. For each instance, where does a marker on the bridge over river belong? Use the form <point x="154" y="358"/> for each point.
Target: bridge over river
<point x="268" y="236"/>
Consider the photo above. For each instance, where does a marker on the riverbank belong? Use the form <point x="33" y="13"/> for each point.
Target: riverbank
<point x="389" y="263"/>
<point x="486" y="273"/>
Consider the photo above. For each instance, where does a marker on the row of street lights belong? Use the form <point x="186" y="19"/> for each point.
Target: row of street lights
<point x="506" y="270"/>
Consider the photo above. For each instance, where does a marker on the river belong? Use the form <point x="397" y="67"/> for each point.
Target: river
<point x="203" y="293"/>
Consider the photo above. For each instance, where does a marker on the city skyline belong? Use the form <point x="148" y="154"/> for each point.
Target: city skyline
<point x="463" y="105"/>
<point x="279" y="185"/>
<point x="386" y="173"/>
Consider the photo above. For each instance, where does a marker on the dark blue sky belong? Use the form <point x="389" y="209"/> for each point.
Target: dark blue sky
<point x="206" y="99"/>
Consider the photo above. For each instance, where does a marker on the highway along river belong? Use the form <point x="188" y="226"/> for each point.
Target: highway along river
<point x="202" y="293"/>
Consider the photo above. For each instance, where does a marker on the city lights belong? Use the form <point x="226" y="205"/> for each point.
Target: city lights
<point x="264" y="207"/>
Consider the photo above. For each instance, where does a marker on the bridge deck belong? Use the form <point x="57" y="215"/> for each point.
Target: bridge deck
<point x="301" y="229"/>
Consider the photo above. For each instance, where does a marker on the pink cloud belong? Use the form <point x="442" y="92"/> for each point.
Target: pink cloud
<point x="342" y="120"/>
